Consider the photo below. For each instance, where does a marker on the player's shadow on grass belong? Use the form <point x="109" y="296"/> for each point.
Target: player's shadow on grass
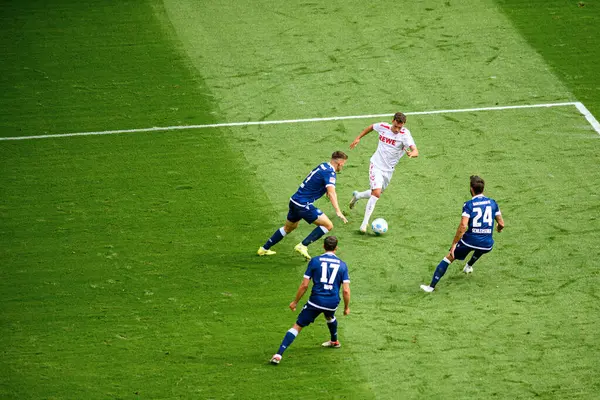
<point x="458" y="278"/>
<point x="367" y="235"/>
<point x="249" y="260"/>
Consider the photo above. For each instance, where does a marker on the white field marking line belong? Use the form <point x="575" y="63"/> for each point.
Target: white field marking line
<point x="582" y="109"/>
<point x="588" y="115"/>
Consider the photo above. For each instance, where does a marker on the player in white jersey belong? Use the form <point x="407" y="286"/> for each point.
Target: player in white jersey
<point x="394" y="141"/>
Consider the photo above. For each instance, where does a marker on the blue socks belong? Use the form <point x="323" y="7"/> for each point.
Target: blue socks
<point x="440" y="271"/>
<point x="332" y="325"/>
<point x="287" y="340"/>
<point x="473" y="260"/>
<point x="280" y="233"/>
<point x="276" y="238"/>
<point x="315" y="235"/>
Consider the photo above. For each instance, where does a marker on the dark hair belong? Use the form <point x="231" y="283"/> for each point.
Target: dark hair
<point x="339" y="154"/>
<point x="400" y="117"/>
<point x="477" y="184"/>
<point x="330" y="243"/>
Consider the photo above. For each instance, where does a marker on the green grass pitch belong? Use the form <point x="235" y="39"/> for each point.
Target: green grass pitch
<point x="127" y="261"/>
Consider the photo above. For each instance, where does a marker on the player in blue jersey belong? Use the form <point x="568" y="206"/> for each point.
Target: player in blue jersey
<point x="474" y="234"/>
<point x="318" y="182"/>
<point x="328" y="274"/>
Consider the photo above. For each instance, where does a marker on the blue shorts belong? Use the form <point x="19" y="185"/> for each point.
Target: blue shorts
<point x="462" y="251"/>
<point x="309" y="313"/>
<point x="309" y="213"/>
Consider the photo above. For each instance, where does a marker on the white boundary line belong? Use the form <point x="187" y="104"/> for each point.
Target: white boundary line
<point x="582" y="109"/>
<point x="588" y="115"/>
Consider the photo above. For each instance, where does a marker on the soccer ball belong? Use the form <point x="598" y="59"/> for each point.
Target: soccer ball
<point x="379" y="226"/>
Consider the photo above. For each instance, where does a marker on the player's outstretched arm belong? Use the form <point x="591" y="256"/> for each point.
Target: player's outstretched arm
<point x="500" y="222"/>
<point x="412" y="152"/>
<point x="363" y="133"/>
<point x="301" y="290"/>
<point x="333" y="198"/>
<point x="346" y="295"/>
<point x="460" y="231"/>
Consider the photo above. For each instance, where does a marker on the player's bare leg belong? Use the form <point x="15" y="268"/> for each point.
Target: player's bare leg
<point x="289" y="226"/>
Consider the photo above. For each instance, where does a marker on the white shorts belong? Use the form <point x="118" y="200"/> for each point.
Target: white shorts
<point x="379" y="179"/>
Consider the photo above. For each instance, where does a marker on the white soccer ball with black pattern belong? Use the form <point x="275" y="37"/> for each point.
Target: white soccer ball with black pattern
<point x="379" y="226"/>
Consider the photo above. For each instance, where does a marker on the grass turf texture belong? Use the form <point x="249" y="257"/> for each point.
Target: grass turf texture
<point x="127" y="261"/>
<point x="568" y="37"/>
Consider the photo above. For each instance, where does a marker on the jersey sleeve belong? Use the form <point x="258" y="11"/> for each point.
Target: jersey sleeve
<point x="466" y="211"/>
<point x="346" y="275"/>
<point x="496" y="209"/>
<point x="330" y="179"/>
<point x="309" y="268"/>
<point x="408" y="140"/>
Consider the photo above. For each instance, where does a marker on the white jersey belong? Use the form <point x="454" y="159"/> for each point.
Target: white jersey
<point x="391" y="146"/>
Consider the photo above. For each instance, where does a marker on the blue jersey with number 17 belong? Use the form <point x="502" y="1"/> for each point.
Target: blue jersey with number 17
<point x="328" y="273"/>
<point x="315" y="184"/>
<point x="482" y="212"/>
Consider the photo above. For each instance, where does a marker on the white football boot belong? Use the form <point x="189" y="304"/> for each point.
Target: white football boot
<point x="275" y="359"/>
<point x="427" y="288"/>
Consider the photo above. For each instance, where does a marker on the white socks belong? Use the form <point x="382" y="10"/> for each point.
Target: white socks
<point x="363" y="195"/>
<point x="369" y="211"/>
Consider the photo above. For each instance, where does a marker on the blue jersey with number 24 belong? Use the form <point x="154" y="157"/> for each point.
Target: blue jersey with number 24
<point x="482" y="213"/>
<point x="328" y="273"/>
